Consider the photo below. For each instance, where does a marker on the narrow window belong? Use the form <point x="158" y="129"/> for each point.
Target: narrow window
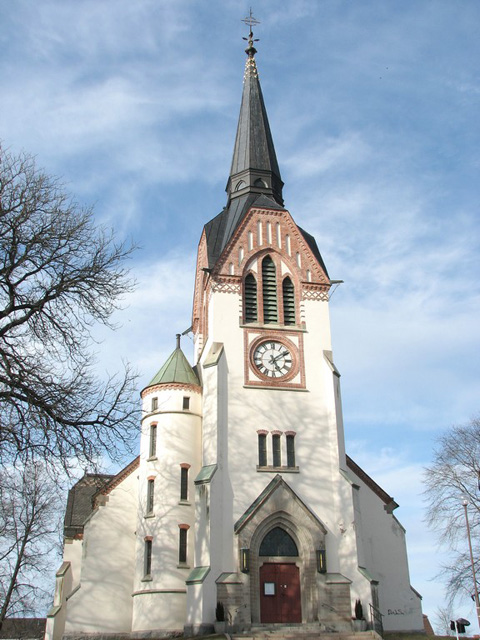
<point x="147" y="559"/>
<point x="184" y="483"/>
<point x="276" y="448"/>
<point x="250" y="299"/>
<point x="154" y="404"/>
<point x="288" y="301"/>
<point x="262" y="450"/>
<point x="269" y="277"/>
<point x="150" y="496"/>
<point x="186" y="402"/>
<point x="153" y="441"/>
<point x="182" y="546"/>
<point x="290" y="450"/>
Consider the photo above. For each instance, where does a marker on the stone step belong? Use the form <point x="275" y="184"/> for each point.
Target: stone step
<point x="305" y="632"/>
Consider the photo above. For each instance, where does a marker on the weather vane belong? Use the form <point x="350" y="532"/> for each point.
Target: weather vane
<point x="250" y="21"/>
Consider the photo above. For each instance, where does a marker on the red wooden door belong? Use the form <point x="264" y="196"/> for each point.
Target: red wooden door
<point x="280" y="593"/>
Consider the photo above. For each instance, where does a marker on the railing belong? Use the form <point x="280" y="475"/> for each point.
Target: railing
<point x="376" y="618"/>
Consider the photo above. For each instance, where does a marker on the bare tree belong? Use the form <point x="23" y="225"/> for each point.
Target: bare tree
<point x="59" y="275"/>
<point x="29" y="508"/>
<point x="452" y="478"/>
<point x="441" y="620"/>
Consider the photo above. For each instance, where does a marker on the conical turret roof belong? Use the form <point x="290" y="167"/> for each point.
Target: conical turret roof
<point x="176" y="369"/>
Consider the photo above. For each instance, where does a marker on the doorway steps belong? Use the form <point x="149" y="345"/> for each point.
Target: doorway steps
<point x="309" y="631"/>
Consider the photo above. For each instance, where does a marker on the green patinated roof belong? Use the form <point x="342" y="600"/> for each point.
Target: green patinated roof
<point x="197" y="575"/>
<point x="176" y="369"/>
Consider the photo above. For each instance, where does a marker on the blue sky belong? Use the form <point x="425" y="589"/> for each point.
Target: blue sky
<point x="374" y="109"/>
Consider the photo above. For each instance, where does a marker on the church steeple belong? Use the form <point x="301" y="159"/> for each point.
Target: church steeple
<point x="254" y="167"/>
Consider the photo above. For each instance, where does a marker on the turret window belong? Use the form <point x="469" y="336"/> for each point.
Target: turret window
<point x="147" y="559"/>
<point x="152" y="448"/>
<point x="186" y="403"/>
<point x="184" y="482"/>
<point x="269" y="280"/>
<point x="150" y="496"/>
<point x="154" y="404"/>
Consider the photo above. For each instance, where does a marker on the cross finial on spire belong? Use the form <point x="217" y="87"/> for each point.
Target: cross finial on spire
<point x="250" y="21"/>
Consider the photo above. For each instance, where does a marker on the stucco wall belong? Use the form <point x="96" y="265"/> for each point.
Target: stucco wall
<point x="103" y="603"/>
<point x="384" y="556"/>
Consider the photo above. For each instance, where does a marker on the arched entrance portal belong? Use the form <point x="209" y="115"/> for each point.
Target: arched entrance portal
<point x="280" y="596"/>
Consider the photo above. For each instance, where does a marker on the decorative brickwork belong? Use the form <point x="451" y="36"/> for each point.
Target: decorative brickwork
<point x="176" y="386"/>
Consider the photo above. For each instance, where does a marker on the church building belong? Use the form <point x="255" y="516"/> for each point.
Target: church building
<point x="242" y="500"/>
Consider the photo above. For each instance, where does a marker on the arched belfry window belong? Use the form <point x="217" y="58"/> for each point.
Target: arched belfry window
<point x="251" y="312"/>
<point x="288" y="301"/>
<point x="268" y="297"/>
<point x="278" y="542"/>
<point x="269" y="280"/>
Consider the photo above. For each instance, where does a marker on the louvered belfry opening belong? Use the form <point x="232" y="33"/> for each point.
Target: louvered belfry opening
<point x="288" y="301"/>
<point x="251" y="312"/>
<point x="269" y="277"/>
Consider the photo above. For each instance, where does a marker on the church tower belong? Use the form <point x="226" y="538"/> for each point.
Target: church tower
<point x="278" y="532"/>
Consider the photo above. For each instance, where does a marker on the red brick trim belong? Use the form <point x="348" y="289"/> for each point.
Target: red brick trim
<point x="276" y="432"/>
<point x="262" y="432"/>
<point x="290" y="433"/>
<point x="148" y="538"/>
<point x="171" y="385"/>
<point x="185" y="465"/>
<point x="184" y="526"/>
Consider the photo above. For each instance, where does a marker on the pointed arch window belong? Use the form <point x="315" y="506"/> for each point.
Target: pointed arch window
<point x="269" y="281"/>
<point x="251" y="308"/>
<point x="288" y="291"/>
<point x="278" y="542"/>
<point x="271" y="299"/>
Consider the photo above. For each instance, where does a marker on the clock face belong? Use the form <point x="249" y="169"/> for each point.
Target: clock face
<point x="272" y="359"/>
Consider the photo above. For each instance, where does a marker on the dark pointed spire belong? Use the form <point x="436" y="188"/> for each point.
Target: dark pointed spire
<point x="254" y="165"/>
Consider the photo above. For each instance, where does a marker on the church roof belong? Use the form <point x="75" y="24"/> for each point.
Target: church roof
<point x="80" y="502"/>
<point x="176" y="369"/>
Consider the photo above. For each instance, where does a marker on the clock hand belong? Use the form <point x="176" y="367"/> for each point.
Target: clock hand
<point x="281" y="355"/>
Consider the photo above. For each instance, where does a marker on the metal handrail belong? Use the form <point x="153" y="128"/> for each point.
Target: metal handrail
<point x="376" y="618"/>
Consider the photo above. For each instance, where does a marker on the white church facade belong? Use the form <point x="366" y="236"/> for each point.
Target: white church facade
<point x="242" y="493"/>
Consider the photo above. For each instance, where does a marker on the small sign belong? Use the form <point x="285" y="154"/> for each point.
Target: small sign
<point x="269" y="588"/>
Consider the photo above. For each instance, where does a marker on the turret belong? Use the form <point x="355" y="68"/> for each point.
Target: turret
<point x="169" y="461"/>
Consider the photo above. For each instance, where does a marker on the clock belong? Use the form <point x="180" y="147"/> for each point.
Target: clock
<point x="272" y="359"/>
